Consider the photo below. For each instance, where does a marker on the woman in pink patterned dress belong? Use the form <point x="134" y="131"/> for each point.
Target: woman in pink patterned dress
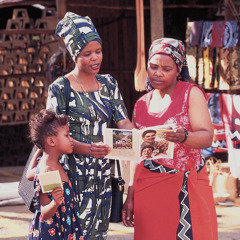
<point x="171" y="198"/>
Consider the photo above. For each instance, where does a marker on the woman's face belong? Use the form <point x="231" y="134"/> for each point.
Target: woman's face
<point x="90" y="59"/>
<point x="162" y="72"/>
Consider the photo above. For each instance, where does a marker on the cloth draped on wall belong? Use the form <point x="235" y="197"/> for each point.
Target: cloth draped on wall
<point x="231" y="119"/>
<point x="217" y="68"/>
<point x="213" y="56"/>
<point x="213" y="33"/>
<point x="206" y="38"/>
<point x="214" y="102"/>
<point x="225" y="115"/>
<point x="194" y="32"/>
<point x="215" y="46"/>
<point x="218" y="33"/>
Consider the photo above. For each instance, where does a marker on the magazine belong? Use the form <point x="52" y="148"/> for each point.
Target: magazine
<point x="50" y="180"/>
<point x="137" y="145"/>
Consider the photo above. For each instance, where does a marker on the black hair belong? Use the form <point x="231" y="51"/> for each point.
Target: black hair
<point x="45" y="124"/>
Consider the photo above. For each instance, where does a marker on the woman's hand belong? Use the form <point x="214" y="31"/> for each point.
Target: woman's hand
<point x="128" y="209"/>
<point x="177" y="135"/>
<point x="99" y="150"/>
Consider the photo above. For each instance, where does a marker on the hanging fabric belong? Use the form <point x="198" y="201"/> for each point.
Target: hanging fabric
<point x="192" y="62"/>
<point x="194" y="32"/>
<point x="214" y="102"/>
<point x="206" y="38"/>
<point x="231" y="34"/>
<point x="206" y="62"/>
<point x="217" y="33"/>
<point x="200" y="66"/>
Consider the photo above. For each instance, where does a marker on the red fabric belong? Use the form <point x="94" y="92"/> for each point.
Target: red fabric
<point x="231" y="118"/>
<point x="215" y="107"/>
<point x="152" y="199"/>
<point x="156" y="205"/>
<point x="218" y="33"/>
<point x="202" y="206"/>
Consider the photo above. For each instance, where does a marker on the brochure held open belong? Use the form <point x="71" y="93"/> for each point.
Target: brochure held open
<point x="137" y="145"/>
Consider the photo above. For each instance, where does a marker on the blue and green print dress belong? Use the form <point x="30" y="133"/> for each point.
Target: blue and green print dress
<point x="90" y="113"/>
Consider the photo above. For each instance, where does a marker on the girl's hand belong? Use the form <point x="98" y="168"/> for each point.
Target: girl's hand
<point x="57" y="195"/>
<point x="99" y="150"/>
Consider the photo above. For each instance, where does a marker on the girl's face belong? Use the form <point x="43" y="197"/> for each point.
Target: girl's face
<point x="90" y="59"/>
<point x="64" y="142"/>
<point x="162" y="72"/>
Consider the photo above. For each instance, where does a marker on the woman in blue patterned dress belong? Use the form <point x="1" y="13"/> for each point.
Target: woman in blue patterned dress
<point x="94" y="100"/>
<point x="56" y="215"/>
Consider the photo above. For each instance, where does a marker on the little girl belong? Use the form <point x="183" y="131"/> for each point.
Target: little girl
<point x="56" y="215"/>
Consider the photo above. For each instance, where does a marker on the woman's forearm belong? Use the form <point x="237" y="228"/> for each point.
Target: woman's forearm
<point x="81" y="148"/>
<point x="199" y="139"/>
<point x="125" y="124"/>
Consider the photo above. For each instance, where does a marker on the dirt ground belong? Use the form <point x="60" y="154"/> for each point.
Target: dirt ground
<point x="14" y="220"/>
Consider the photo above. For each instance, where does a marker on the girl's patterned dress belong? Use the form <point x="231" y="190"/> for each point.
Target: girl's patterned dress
<point x="89" y="113"/>
<point x="65" y="224"/>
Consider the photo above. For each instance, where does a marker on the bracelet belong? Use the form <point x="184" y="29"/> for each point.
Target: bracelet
<point x="186" y="136"/>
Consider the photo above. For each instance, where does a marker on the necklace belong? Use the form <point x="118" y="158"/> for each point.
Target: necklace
<point x="81" y="83"/>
